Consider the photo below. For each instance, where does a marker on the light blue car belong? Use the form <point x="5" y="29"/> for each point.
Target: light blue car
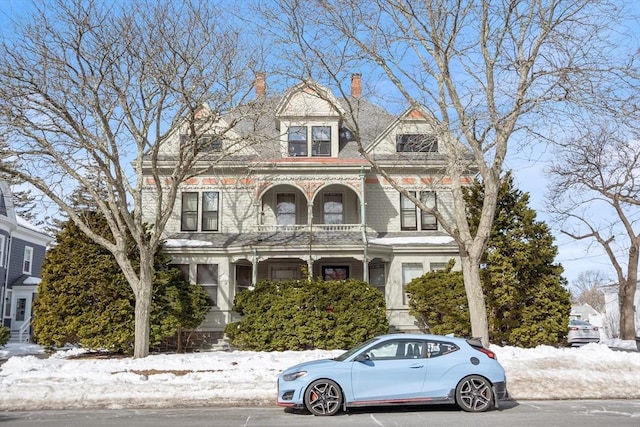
<point x="398" y="369"/>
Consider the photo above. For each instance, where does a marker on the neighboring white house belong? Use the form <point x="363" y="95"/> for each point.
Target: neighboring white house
<point x="302" y="198"/>
<point x="612" y="309"/>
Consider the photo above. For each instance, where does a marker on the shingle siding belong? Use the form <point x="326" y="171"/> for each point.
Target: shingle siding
<point x="248" y="183"/>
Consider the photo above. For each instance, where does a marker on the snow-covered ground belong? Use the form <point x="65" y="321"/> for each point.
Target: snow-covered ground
<point x="29" y="381"/>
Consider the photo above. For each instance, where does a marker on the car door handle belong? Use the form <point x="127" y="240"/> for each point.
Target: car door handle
<point x="416" y="366"/>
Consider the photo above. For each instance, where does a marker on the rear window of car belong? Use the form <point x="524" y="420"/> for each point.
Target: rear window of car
<point x="579" y="322"/>
<point x="440" y="348"/>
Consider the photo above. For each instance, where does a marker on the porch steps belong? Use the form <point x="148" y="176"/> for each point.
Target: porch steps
<point x="15" y="337"/>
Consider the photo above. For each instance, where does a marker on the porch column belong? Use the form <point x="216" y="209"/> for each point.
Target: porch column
<point x="363" y="225"/>
<point x="310" y="228"/>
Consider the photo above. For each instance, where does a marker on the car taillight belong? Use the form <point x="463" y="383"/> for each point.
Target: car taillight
<point x="573" y="328"/>
<point x="486" y="351"/>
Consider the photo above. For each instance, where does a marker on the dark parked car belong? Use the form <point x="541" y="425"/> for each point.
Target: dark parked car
<point x="582" y="332"/>
<point x="398" y="369"/>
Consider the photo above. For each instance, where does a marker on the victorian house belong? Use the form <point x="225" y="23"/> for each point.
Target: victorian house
<point x="301" y="200"/>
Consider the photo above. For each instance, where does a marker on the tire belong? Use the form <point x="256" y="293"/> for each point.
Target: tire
<point x="474" y="394"/>
<point x="323" y="398"/>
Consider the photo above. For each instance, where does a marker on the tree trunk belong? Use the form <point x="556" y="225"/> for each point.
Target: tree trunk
<point x="475" y="297"/>
<point x="143" y="306"/>
<point x="626" y="297"/>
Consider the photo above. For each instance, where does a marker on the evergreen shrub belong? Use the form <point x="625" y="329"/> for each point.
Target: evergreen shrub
<point x="303" y="315"/>
<point x="5" y="334"/>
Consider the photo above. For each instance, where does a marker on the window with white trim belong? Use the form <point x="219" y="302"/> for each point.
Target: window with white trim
<point x="2" y="243"/>
<point x="333" y="208"/>
<point x="297" y="136"/>
<point x="244" y="277"/>
<point x="427" y="220"/>
<point x="204" y="143"/>
<point x="207" y="277"/>
<point x="28" y="260"/>
<point x="377" y="276"/>
<point x="409" y="272"/>
<point x="321" y="141"/>
<point x="416" y="143"/>
<point x="409" y="216"/>
<point x="209" y="201"/>
<point x="286" y="209"/>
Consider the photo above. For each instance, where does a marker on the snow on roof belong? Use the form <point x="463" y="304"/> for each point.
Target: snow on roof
<point x="180" y="243"/>
<point x="424" y="240"/>
<point x="32" y="281"/>
<point x="26" y="224"/>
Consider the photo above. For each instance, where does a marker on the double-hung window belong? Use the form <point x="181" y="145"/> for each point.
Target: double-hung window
<point x="210" y="204"/>
<point x="286" y="209"/>
<point x="207" y="277"/>
<point x="377" y="276"/>
<point x="333" y="208"/>
<point x="2" y="243"/>
<point x="208" y="214"/>
<point x="28" y="260"/>
<point x="189" y="217"/>
<point x="408" y="212"/>
<point x="321" y="141"/>
<point x="297" y="141"/>
<point x="429" y="222"/>
<point x="408" y="218"/>
<point x="409" y="272"/>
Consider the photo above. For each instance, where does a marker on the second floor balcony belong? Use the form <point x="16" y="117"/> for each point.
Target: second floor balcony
<point x="333" y="208"/>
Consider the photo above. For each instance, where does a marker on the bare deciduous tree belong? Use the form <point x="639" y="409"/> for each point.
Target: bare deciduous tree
<point x="485" y="71"/>
<point x="91" y="91"/>
<point x="587" y="289"/>
<point x="595" y="194"/>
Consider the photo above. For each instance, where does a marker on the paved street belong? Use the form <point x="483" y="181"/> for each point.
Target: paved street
<point x="590" y="413"/>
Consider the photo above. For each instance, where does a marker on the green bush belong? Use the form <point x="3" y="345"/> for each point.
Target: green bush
<point x="302" y="315"/>
<point x="85" y="299"/>
<point x="439" y="302"/>
<point x="5" y="334"/>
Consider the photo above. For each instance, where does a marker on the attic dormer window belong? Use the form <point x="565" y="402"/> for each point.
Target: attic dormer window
<point x="321" y="140"/>
<point x="416" y="143"/>
<point x="297" y="141"/>
<point x="205" y="143"/>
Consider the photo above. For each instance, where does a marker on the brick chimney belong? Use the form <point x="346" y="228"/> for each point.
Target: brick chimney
<point x="260" y="85"/>
<point x="356" y="85"/>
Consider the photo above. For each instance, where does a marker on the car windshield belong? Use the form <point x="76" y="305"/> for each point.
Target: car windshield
<point x="354" y="350"/>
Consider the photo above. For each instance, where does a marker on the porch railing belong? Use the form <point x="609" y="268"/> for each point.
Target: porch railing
<point x="24" y="330"/>
<point x="307" y="227"/>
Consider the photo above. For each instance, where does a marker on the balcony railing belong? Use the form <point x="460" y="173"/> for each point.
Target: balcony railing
<point x="307" y="227"/>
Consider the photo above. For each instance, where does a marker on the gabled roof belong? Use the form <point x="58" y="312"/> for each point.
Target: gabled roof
<point x="308" y="87"/>
<point x="410" y="114"/>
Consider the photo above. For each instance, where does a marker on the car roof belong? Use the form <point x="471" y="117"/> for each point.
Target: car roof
<point x="421" y="337"/>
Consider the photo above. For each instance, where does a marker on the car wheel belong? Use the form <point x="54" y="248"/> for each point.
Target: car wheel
<point x="323" y="397"/>
<point x="474" y="394"/>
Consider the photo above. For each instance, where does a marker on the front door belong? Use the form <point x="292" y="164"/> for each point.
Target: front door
<point x="22" y="301"/>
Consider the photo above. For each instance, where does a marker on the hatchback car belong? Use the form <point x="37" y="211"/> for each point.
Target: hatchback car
<point x="582" y="332"/>
<point x="398" y="369"/>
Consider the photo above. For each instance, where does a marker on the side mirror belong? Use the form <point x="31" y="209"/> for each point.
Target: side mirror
<point x="362" y="357"/>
